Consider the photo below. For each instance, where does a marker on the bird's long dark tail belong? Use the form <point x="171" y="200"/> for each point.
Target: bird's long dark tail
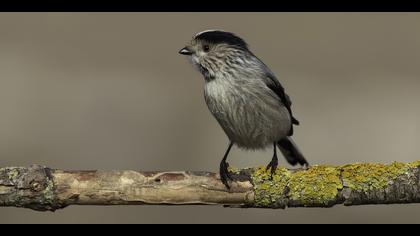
<point x="291" y="152"/>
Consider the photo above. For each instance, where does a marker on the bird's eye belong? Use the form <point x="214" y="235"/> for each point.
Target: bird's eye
<point x="206" y="48"/>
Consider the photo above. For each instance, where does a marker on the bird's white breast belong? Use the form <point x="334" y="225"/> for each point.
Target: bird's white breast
<point x="247" y="111"/>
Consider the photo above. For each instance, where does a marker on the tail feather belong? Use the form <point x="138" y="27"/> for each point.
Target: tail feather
<point x="291" y="152"/>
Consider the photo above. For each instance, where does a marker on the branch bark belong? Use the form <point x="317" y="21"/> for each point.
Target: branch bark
<point x="44" y="189"/>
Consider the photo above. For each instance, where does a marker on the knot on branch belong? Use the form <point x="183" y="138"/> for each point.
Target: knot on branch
<point x="31" y="187"/>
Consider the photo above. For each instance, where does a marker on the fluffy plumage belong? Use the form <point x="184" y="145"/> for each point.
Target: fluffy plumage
<point x="244" y="95"/>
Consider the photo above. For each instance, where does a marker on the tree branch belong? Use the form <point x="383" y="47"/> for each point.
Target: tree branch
<point x="44" y="189"/>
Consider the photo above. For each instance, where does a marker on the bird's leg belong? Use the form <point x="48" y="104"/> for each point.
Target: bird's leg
<point x="224" y="172"/>
<point x="274" y="162"/>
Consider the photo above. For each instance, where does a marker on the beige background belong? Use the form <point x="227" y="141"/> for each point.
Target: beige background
<point x="109" y="91"/>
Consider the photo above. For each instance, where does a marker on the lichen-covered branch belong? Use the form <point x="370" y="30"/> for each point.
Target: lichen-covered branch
<point x="44" y="189"/>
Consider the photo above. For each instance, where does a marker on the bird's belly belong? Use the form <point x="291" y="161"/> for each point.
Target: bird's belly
<point x="250" y="120"/>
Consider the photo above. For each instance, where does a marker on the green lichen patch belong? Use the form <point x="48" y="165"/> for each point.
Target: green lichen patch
<point x="13" y="174"/>
<point x="270" y="189"/>
<point x="317" y="186"/>
<point x="367" y="176"/>
<point x="234" y="170"/>
<point x="49" y="192"/>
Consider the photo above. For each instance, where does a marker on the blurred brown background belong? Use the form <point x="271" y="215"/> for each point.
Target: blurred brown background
<point x="109" y="91"/>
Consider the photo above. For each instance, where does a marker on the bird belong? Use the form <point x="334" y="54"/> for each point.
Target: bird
<point x="245" y="97"/>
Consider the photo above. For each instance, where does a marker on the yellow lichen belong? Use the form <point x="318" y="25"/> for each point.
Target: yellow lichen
<point x="364" y="177"/>
<point x="270" y="189"/>
<point x="414" y="164"/>
<point x="316" y="186"/>
<point x="320" y="185"/>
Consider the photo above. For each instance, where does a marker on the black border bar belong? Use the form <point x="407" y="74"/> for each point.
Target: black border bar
<point x="209" y="6"/>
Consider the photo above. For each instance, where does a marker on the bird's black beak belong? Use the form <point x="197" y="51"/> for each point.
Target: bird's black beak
<point x="185" y="51"/>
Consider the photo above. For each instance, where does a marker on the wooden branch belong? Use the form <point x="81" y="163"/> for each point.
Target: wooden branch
<point x="44" y="189"/>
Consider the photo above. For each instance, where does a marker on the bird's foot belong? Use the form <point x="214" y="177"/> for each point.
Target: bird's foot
<point x="273" y="166"/>
<point x="306" y="166"/>
<point x="303" y="167"/>
<point x="225" y="176"/>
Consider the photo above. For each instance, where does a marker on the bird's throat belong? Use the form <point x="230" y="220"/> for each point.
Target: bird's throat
<point x="207" y="76"/>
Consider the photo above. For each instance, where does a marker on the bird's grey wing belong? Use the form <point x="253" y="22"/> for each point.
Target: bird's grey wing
<point x="273" y="83"/>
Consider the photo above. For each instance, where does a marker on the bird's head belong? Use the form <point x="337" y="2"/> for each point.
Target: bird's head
<point x="215" y="51"/>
